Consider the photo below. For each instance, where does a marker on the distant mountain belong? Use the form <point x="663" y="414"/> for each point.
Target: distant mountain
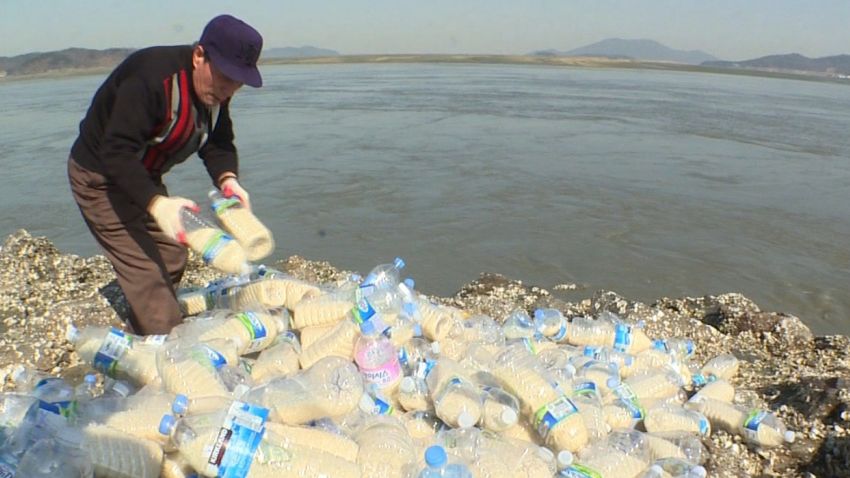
<point x="71" y="58"/>
<point x="645" y="50"/>
<point x="838" y="64"/>
<point x="297" y="52"/>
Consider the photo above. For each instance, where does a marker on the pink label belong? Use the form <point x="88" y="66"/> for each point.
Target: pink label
<point x="383" y="375"/>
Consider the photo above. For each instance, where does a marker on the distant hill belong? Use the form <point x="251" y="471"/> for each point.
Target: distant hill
<point x="297" y="52"/>
<point x="838" y="64"/>
<point x="71" y="58"/>
<point x="644" y="50"/>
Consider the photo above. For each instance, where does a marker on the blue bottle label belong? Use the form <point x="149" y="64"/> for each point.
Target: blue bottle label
<point x="628" y="398"/>
<point x="213" y="246"/>
<point x="551" y="414"/>
<point x="622" y="337"/>
<point x="238" y="439"/>
<point x="207" y="356"/>
<point x="752" y="423"/>
<point x="256" y="330"/>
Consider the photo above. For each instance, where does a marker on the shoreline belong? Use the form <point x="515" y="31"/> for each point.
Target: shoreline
<point x="528" y="60"/>
<point x="804" y="379"/>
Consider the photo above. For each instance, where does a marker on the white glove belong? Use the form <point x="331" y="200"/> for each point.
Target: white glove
<point x="166" y="212"/>
<point x="230" y="187"/>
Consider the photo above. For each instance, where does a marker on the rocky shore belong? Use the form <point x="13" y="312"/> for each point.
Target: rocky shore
<point x="803" y="378"/>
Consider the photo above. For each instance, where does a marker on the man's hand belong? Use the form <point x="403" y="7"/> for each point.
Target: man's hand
<point x="166" y="212"/>
<point x="230" y="187"/>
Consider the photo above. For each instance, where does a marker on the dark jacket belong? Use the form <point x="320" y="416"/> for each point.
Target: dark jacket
<point x="145" y="118"/>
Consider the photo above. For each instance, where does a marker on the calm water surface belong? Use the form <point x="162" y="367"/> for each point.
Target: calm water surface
<point x="647" y="183"/>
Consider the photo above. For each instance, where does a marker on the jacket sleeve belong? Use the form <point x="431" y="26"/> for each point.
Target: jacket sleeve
<point x="219" y="153"/>
<point x="133" y="118"/>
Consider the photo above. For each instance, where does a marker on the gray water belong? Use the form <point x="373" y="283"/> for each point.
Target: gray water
<point x="647" y="183"/>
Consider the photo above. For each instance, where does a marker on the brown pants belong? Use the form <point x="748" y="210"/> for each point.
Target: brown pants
<point x="147" y="263"/>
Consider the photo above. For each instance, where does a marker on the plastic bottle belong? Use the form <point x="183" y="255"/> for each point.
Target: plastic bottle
<point x="680" y="445"/>
<point x="282" y="286"/>
<point x="551" y="323"/>
<point x="250" y="330"/>
<point x="422" y="426"/>
<point x="669" y="418"/>
<point x="194" y="300"/>
<point x="551" y="412"/>
<point x="518" y="324"/>
<point x="439" y="322"/>
<point x="674" y="468"/>
<point x="682" y="348"/>
<point x="386" y="449"/>
<point x="588" y="331"/>
<point x="622" y="455"/>
<point x="243" y="225"/>
<point x="759" y="427"/>
<point x="136" y="416"/>
<point x="659" y="384"/>
<point x="724" y="366"/>
<point x="195" y="369"/>
<point x="279" y="360"/>
<point x="717" y="390"/>
<point x="338" y="342"/>
<point x="114" y="453"/>
<point x="220" y="444"/>
<point x="630" y="338"/>
<point x="603" y="374"/>
<point x="590" y="408"/>
<point x="453" y="393"/>
<point x="54" y="458"/>
<point x="418" y="356"/>
<point x="118" y="354"/>
<point x="382" y="277"/>
<point x="332" y="387"/>
<point x="376" y="357"/>
<point x="217" y="248"/>
<point x="413" y="394"/>
<point x="437" y="465"/>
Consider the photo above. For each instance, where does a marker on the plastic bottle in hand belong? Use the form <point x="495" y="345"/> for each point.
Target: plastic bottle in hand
<point x="217" y="248"/>
<point x="243" y="225"/>
<point x="437" y="465"/>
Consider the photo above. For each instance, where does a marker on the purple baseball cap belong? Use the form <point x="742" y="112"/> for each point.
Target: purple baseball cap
<point x="233" y="47"/>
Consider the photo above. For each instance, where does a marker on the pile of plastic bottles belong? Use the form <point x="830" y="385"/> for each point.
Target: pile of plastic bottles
<point x="273" y="376"/>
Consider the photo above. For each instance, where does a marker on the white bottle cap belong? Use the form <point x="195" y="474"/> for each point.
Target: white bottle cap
<point x="72" y="334"/>
<point x="565" y="459"/>
<point x="465" y="420"/>
<point x="508" y="416"/>
<point x="699" y="472"/>
<point x="435" y="347"/>
<point x="790" y="436"/>
<point x="18" y="373"/>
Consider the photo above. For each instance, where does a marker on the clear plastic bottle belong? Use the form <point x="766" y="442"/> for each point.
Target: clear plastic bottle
<point x="587" y="331"/>
<point x="680" y="445"/>
<point x="332" y="387"/>
<point x="718" y="390"/>
<point x="669" y="418"/>
<point x="682" y="348"/>
<point x="376" y="357"/>
<point x="196" y="369"/>
<point x="551" y="323"/>
<point x="759" y="427"/>
<point x="243" y="225"/>
<point x="55" y="458"/>
<point x="217" y="248"/>
<point x="382" y="277"/>
<point x="279" y="360"/>
<point x="724" y="366"/>
<point x="437" y="465"/>
<point x="453" y="393"/>
<point x="413" y="394"/>
<point x="518" y="324"/>
<point x="118" y="354"/>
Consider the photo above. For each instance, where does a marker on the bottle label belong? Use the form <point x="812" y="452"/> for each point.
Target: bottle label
<point x="238" y="439"/>
<point x="622" y="337"/>
<point x="363" y="311"/>
<point x="208" y="357"/>
<point x="152" y="339"/>
<point x="114" y="346"/>
<point x="221" y="206"/>
<point x="64" y="408"/>
<point x="382" y="375"/>
<point x="628" y="398"/>
<point x="586" y="388"/>
<point x="6" y="471"/>
<point x="752" y="423"/>
<point x="579" y="471"/>
<point x="256" y="330"/>
<point x="548" y="416"/>
<point x="215" y="245"/>
<point x="704" y="426"/>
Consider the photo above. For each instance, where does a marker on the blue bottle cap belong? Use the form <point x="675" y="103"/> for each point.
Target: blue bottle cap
<point x="167" y="424"/>
<point x="612" y="382"/>
<point x="180" y="404"/>
<point x="538" y="313"/>
<point x="398" y="263"/>
<point x="409" y="283"/>
<point x="90" y="378"/>
<point x="435" y="456"/>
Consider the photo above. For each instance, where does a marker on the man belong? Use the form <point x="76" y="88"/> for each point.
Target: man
<point x="157" y="108"/>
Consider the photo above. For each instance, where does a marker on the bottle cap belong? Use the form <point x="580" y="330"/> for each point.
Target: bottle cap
<point x="699" y="472"/>
<point x="435" y="456"/>
<point x="121" y="388"/>
<point x="407" y="385"/>
<point x="167" y="424"/>
<point x="180" y="404"/>
<point x="409" y="282"/>
<point x="538" y="314"/>
<point x="398" y="263"/>
<point x="790" y="436"/>
<point x="612" y="382"/>
<point x="90" y="379"/>
<point x="565" y="459"/>
<point x="465" y="420"/>
<point x="72" y="334"/>
<point x="435" y="347"/>
<point x="508" y="416"/>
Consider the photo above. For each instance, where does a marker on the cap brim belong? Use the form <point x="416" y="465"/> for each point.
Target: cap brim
<point x="248" y="75"/>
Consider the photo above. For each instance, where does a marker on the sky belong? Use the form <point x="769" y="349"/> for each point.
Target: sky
<point x="727" y="29"/>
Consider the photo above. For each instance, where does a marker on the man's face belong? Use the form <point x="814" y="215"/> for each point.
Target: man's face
<point x="211" y="86"/>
